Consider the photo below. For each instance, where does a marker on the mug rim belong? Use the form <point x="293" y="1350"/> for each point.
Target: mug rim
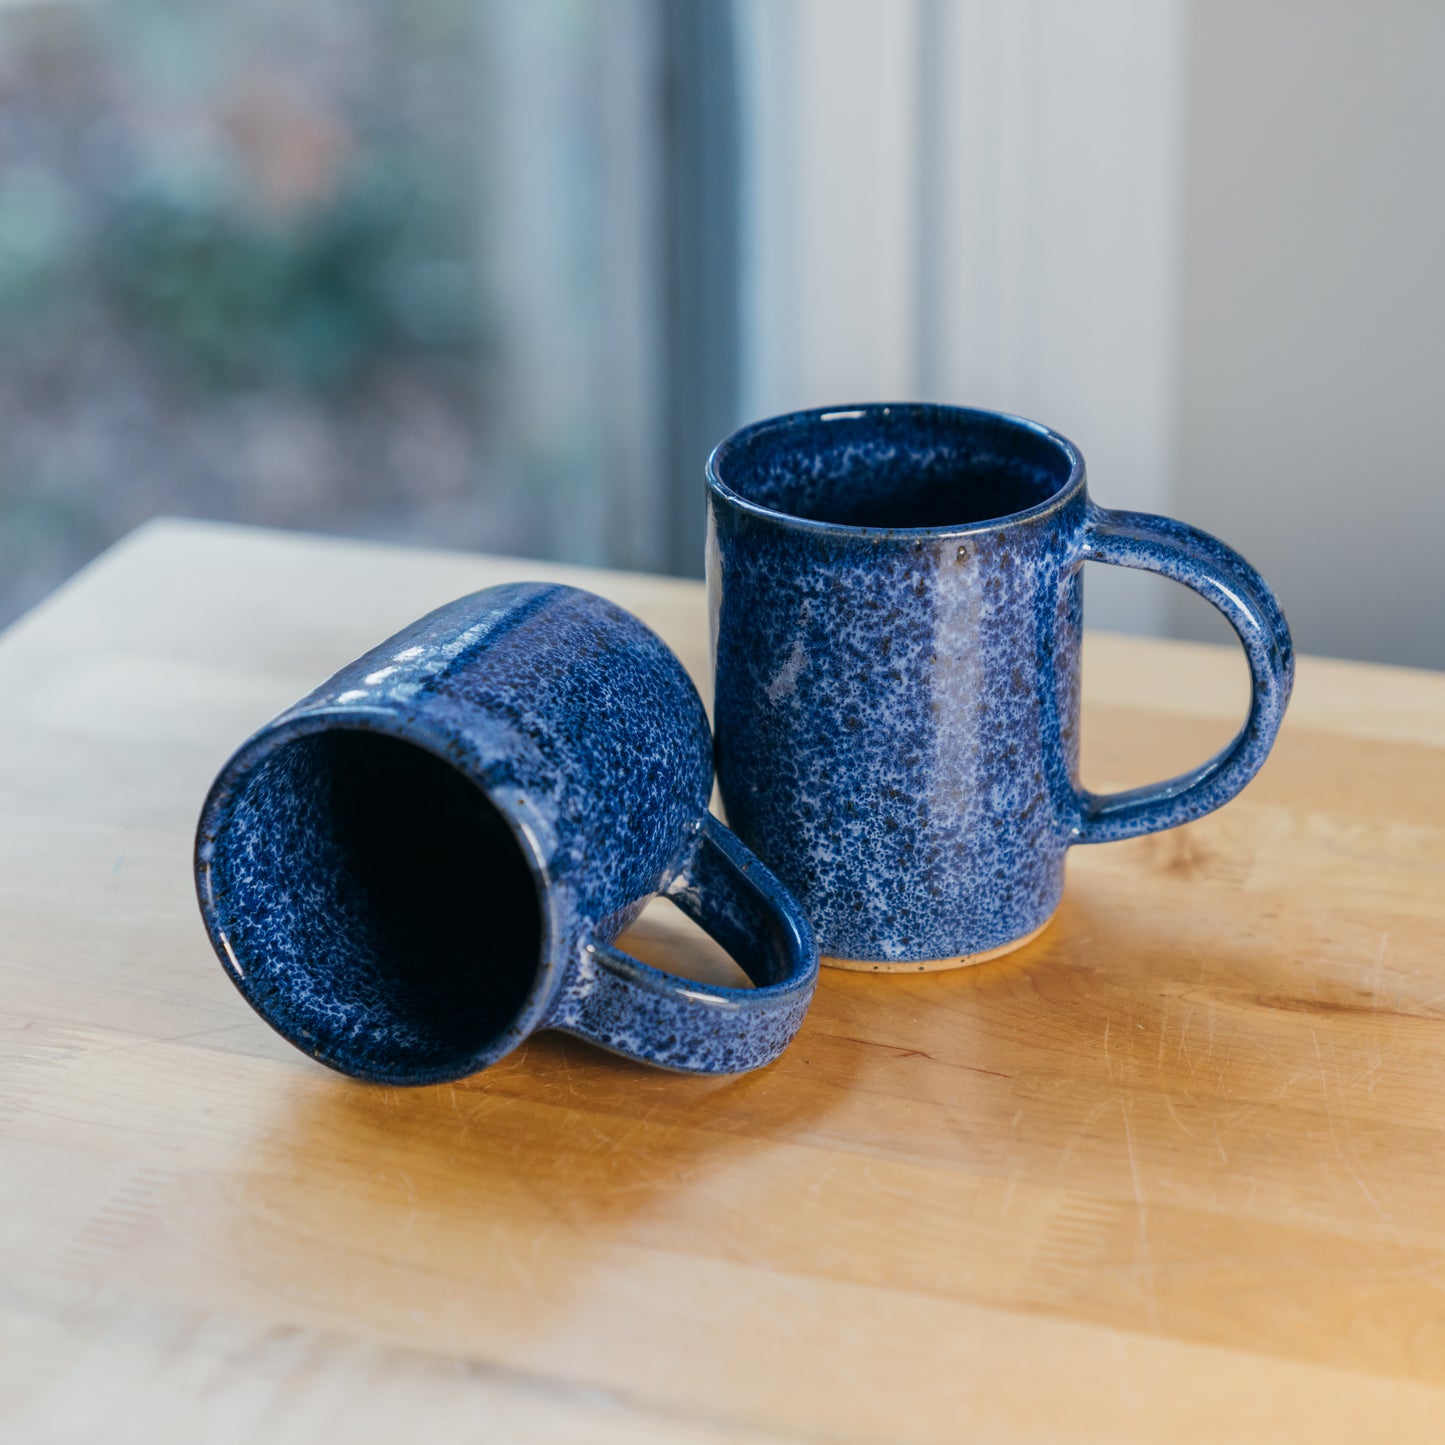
<point x="811" y="416"/>
<point x="290" y="728"/>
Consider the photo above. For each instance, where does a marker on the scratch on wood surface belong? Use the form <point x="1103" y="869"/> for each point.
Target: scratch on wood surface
<point x="1174" y="1114"/>
<point x="1229" y="1049"/>
<point x="457" y="1109"/>
<point x="566" y="1070"/>
<point x="1354" y="1166"/>
<point x="1182" y="1052"/>
<point x="1008" y="1195"/>
<point x="1378" y="977"/>
<point x="411" y="1209"/>
<point x="1354" y="1169"/>
<point x="1141" y="1209"/>
<point x="904" y="1051"/>
<point x="1219" y="1143"/>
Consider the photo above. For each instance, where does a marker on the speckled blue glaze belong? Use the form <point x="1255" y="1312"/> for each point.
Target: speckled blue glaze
<point x="896" y="607"/>
<point x="431" y="856"/>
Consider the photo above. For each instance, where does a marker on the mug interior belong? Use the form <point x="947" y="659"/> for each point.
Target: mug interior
<point x="896" y="467"/>
<point x="378" y="909"/>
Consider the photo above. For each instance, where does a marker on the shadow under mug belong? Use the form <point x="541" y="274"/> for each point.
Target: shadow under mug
<point x="897" y="604"/>
<point x="429" y="857"/>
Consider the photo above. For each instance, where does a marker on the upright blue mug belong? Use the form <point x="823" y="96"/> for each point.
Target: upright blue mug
<point x="897" y="603"/>
<point x="430" y="857"/>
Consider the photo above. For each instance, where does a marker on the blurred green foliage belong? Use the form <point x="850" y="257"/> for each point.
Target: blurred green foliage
<point x="40" y="236"/>
<point x="236" y="298"/>
<point x="149" y="155"/>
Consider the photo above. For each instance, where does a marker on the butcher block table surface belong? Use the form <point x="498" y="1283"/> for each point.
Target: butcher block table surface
<point x="1174" y="1172"/>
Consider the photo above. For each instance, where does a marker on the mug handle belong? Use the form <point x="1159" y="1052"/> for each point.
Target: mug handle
<point x="1221" y="576"/>
<point x="629" y="1007"/>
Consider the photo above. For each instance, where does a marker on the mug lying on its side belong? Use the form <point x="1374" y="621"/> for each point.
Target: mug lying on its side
<point x="429" y="858"/>
<point x="897" y="600"/>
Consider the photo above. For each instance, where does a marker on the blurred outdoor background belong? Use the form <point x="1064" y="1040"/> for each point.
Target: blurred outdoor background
<point x="496" y="274"/>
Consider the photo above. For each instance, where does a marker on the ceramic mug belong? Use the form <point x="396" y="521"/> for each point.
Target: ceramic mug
<point x="897" y="602"/>
<point x="430" y="857"/>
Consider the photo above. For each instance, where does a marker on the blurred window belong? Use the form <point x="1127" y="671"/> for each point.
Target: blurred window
<point x="395" y="270"/>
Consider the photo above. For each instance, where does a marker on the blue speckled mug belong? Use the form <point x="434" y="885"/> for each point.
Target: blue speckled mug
<point x="897" y="602"/>
<point x="430" y="857"/>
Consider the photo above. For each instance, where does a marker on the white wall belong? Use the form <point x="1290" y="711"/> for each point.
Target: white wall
<point x="829" y="99"/>
<point x="1312" y="382"/>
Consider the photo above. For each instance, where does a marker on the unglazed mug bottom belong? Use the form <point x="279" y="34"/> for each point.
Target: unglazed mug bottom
<point x="936" y="965"/>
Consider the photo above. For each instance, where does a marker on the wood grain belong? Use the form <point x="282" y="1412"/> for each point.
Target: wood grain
<point x="1172" y="1172"/>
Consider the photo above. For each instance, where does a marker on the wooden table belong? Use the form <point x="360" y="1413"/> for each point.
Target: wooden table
<point x="1175" y="1172"/>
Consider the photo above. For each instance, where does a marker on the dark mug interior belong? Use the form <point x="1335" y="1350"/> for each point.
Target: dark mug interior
<point x="896" y="467"/>
<point x="378" y="908"/>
